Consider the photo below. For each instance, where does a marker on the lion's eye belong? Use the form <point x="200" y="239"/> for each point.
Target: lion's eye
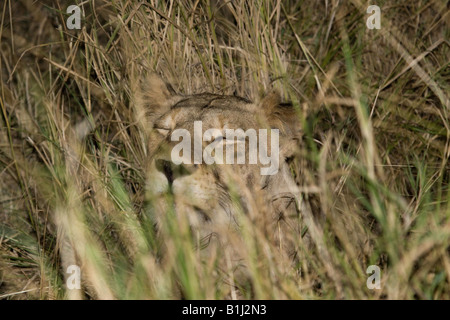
<point x="224" y="140"/>
<point x="232" y="140"/>
<point x="163" y="131"/>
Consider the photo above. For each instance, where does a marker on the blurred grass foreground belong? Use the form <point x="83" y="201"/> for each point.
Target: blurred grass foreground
<point x="373" y="158"/>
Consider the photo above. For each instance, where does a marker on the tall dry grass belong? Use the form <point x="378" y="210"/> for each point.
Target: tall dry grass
<point x="373" y="160"/>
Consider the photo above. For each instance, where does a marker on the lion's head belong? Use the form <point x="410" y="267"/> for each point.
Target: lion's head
<point x="211" y="195"/>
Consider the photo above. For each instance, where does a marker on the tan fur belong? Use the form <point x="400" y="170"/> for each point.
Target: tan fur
<point x="203" y="195"/>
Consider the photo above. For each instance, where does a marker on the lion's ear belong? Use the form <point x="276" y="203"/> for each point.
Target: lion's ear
<point x="155" y="96"/>
<point x="282" y="116"/>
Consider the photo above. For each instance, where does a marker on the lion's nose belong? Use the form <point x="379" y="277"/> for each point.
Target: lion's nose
<point x="173" y="171"/>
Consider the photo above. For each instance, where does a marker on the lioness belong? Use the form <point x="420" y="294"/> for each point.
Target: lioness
<point x="211" y="197"/>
